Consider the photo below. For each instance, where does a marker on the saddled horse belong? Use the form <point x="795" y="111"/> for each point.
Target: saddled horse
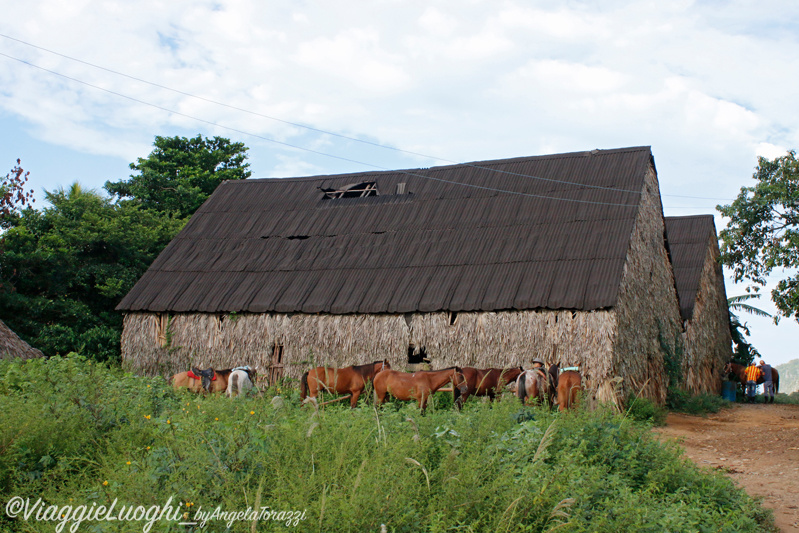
<point x="241" y="379"/>
<point x="351" y="379"/>
<point x="419" y="385"/>
<point x="197" y="380"/>
<point x="488" y="381"/>
<point x="532" y="386"/>
<point x="739" y="371"/>
<point x="568" y="385"/>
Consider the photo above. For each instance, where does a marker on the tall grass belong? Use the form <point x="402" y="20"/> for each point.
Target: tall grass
<point x="76" y="432"/>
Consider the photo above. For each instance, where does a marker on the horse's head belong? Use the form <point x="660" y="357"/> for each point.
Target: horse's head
<point x="383" y="365"/>
<point x="459" y="381"/>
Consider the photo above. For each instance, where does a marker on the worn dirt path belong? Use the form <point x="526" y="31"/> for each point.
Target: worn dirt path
<point x="757" y="446"/>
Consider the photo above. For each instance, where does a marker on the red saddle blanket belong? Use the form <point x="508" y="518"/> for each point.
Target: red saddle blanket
<point x="192" y="375"/>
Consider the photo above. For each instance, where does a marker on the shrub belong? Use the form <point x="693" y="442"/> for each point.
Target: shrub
<point x="645" y="410"/>
<point x="700" y="404"/>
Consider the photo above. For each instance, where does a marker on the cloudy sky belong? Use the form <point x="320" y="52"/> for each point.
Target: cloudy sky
<point x="326" y="87"/>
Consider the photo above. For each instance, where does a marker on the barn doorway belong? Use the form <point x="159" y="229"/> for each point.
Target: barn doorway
<point x="276" y="367"/>
<point x="417" y="358"/>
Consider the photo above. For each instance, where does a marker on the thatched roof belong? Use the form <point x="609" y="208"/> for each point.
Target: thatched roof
<point x="12" y="346"/>
<point x="548" y="232"/>
<point x="688" y="239"/>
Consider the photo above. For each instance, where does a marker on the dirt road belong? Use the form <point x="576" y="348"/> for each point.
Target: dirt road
<point x="757" y="446"/>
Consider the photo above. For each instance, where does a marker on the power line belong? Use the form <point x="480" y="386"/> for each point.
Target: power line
<point x="310" y="150"/>
<point x="215" y="124"/>
<point x="319" y="130"/>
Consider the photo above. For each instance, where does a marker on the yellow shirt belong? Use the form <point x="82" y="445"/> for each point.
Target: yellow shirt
<point x="752" y="373"/>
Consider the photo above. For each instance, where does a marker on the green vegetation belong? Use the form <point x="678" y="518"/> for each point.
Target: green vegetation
<point x="65" y="268"/>
<point x="76" y="431"/>
<point x="699" y="404"/>
<point x="763" y="232"/>
<point x="645" y="410"/>
<point x="180" y="174"/>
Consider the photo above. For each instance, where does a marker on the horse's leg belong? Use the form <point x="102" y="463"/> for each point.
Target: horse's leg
<point x="422" y="402"/>
<point x="380" y="395"/>
<point x="573" y="396"/>
<point x="355" y="394"/>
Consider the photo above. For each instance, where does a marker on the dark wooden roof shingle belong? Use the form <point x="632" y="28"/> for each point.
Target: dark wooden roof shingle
<point x="535" y="232"/>
<point x="688" y="239"/>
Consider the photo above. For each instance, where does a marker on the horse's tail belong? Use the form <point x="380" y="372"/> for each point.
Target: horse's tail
<point x="777" y="384"/>
<point x="304" y="386"/>
<point x="521" y="388"/>
<point x="234" y="385"/>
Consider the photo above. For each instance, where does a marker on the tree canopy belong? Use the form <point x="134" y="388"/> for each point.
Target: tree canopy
<point x="64" y="268"/>
<point x="763" y="232"/>
<point x="180" y="173"/>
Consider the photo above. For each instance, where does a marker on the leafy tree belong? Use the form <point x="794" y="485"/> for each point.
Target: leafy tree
<point x="180" y="173"/>
<point x="66" y="267"/>
<point x="763" y="232"/>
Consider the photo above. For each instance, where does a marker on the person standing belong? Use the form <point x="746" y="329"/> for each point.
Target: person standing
<point x="768" y="384"/>
<point x="752" y="374"/>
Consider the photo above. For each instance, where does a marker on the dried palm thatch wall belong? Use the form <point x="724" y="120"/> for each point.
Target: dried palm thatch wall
<point x="647" y="309"/>
<point x="707" y="342"/>
<point x="499" y="339"/>
<point x="12" y="346"/>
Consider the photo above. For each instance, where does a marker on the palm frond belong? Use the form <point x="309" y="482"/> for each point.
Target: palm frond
<point x="736" y="303"/>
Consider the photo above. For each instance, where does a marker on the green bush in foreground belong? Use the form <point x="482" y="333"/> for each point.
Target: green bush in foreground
<point x="79" y="433"/>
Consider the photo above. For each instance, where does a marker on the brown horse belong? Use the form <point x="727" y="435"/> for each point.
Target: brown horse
<point x="197" y="380"/>
<point x="488" y="381"/>
<point x="532" y="385"/>
<point x="739" y="370"/>
<point x="569" y="383"/>
<point x="351" y="379"/>
<point x="419" y="385"/>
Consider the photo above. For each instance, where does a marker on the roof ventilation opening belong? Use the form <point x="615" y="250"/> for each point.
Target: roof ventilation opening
<point x="400" y="188"/>
<point x="353" y="190"/>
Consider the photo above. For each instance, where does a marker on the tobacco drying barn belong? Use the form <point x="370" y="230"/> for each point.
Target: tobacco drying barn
<point x="486" y="264"/>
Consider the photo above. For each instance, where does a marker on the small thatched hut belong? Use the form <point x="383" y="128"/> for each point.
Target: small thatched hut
<point x="12" y="346"/>
<point x="707" y="345"/>
<point x="482" y="264"/>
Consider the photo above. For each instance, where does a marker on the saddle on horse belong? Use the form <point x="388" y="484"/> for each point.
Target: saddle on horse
<point x="207" y="376"/>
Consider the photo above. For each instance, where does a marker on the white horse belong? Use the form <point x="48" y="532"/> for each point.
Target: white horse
<point x="531" y="385"/>
<point x="239" y="381"/>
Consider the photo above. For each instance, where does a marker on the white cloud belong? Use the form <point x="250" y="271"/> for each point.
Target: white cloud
<point x="355" y="58"/>
<point x="769" y="151"/>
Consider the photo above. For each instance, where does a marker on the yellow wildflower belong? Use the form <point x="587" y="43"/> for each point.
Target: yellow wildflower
<point x="105" y="483"/>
